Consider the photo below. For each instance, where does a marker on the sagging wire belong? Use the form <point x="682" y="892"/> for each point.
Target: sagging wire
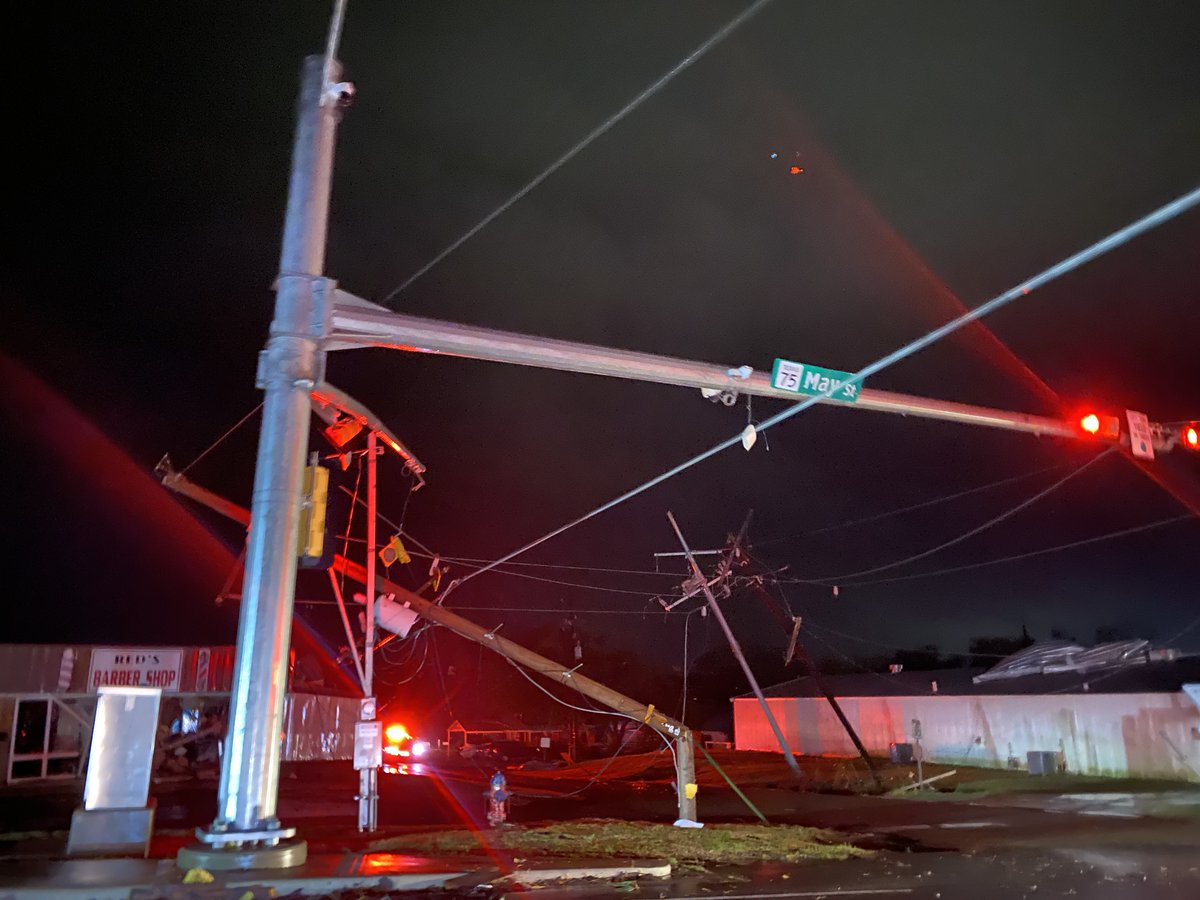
<point x="583" y="709"/>
<point x="808" y="624"/>
<point x="1121" y="236"/>
<point x="350" y="521"/>
<point x="207" y="450"/>
<point x="954" y="541"/>
<point x="1070" y="545"/>
<point x="913" y="507"/>
<point x="591" y="136"/>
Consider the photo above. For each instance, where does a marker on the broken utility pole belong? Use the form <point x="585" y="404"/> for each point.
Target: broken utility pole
<point x="788" y="756"/>
<point x="797" y="648"/>
<point x="676" y="734"/>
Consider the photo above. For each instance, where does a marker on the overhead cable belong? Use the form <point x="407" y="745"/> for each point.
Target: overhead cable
<point x="213" y="446"/>
<point x="954" y="541"/>
<point x="915" y="506"/>
<point x="1116" y="239"/>
<point x="596" y="132"/>
<point x="1112" y="535"/>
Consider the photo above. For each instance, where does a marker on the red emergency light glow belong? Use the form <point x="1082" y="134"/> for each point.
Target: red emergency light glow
<point x="1191" y="436"/>
<point x="1090" y="423"/>
<point x="396" y="733"/>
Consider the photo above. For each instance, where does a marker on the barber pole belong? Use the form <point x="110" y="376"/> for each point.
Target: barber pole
<point x="202" y="670"/>
<point x="66" y="669"/>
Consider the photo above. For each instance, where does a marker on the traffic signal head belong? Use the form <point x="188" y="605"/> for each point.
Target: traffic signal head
<point x="1100" y="426"/>
<point x="1190" y="438"/>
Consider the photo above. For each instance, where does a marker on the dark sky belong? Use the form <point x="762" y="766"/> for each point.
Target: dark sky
<point x="950" y="151"/>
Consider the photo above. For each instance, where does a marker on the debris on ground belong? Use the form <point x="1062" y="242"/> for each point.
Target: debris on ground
<point x="605" y="838"/>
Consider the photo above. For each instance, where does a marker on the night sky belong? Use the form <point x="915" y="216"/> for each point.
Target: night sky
<point x="949" y="152"/>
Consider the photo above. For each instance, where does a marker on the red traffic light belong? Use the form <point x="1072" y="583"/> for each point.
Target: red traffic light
<point x="1191" y="436"/>
<point x="1100" y="426"/>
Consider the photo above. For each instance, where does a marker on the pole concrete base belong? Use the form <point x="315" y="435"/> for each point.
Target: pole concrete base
<point x="284" y="855"/>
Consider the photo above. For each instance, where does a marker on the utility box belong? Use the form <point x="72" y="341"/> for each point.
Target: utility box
<point x="901" y="753"/>
<point x="1042" y="762"/>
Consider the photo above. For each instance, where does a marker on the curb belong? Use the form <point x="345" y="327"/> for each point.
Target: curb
<point x="463" y="876"/>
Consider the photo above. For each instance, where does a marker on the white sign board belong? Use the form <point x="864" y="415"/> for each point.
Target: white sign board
<point x="150" y="667"/>
<point x="368" y="745"/>
<point x="1141" y="441"/>
<point x="122" y="752"/>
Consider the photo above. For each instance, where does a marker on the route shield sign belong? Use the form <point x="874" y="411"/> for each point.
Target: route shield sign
<point x="801" y="378"/>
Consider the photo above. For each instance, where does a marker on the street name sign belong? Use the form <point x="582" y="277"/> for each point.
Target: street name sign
<point x="802" y="378"/>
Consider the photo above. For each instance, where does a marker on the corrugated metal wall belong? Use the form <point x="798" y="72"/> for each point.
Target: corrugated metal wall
<point x="63" y="668"/>
<point x="1098" y="734"/>
<point x="316" y="727"/>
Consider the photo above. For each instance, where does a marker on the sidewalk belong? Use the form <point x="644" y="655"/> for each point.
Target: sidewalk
<point x="121" y="879"/>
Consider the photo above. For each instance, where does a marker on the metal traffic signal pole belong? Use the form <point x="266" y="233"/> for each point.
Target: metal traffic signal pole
<point x="246" y="833"/>
<point x="368" y="778"/>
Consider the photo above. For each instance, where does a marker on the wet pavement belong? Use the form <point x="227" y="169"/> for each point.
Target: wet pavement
<point x="1169" y="875"/>
<point x="1083" y="846"/>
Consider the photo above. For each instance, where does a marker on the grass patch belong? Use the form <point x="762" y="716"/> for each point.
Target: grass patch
<point x="606" y="838"/>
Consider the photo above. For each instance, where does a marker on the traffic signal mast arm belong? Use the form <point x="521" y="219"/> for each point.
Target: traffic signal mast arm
<point x="359" y="323"/>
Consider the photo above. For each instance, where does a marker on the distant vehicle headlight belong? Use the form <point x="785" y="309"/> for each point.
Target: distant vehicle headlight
<point x="420" y="748"/>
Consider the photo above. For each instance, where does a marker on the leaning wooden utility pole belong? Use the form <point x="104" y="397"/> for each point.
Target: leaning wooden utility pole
<point x="672" y="731"/>
<point x="675" y="733"/>
<point x="788" y="756"/>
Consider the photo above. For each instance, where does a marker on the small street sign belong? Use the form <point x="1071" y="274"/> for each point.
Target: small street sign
<point x="1141" y="442"/>
<point x="368" y="745"/>
<point x="802" y="378"/>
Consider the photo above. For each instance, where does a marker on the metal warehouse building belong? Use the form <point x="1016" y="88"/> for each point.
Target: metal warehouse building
<point x="1119" y="709"/>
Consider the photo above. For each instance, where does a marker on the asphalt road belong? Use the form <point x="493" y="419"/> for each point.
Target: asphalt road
<point x="1021" y="875"/>
<point x="931" y="849"/>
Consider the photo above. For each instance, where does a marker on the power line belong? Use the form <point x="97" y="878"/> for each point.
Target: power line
<point x="574" y="584"/>
<point x="995" y="520"/>
<point x="1116" y="239"/>
<point x="213" y="446"/>
<point x="472" y="561"/>
<point x="862" y="640"/>
<point x="1112" y="535"/>
<point x="858" y="665"/>
<point x="469" y="561"/>
<point x="608" y="123"/>
<point x="584" y="709"/>
<point x="906" y="509"/>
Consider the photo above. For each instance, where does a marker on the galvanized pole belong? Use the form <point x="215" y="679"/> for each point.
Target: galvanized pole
<point x="368" y="779"/>
<point x="788" y="756"/>
<point x="246" y="832"/>
<point x="685" y="775"/>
